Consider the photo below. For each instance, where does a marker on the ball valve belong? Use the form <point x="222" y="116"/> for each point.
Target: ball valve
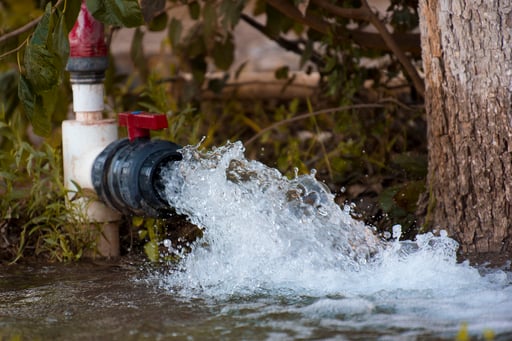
<point x="126" y="175"/>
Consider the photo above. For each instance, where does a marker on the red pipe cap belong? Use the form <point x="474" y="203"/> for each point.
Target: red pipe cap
<point x="140" y="123"/>
<point x="87" y="38"/>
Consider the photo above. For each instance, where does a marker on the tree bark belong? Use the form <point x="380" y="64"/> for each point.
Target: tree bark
<point x="467" y="59"/>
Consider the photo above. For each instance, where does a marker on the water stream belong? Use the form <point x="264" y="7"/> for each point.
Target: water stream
<point x="279" y="260"/>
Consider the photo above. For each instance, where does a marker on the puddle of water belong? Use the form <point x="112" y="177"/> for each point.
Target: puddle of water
<point x="119" y="302"/>
<point x="90" y="301"/>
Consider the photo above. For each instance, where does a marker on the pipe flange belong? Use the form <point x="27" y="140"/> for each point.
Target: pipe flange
<point x="101" y="170"/>
<point x="127" y="175"/>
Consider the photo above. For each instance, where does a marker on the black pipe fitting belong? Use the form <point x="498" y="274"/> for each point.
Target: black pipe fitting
<point x="127" y="175"/>
<point x="87" y="70"/>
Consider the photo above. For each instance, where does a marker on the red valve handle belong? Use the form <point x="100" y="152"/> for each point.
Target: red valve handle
<point x="140" y="123"/>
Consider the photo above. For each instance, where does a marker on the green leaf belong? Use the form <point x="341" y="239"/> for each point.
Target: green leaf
<point x="43" y="67"/>
<point x="151" y="250"/>
<point x="60" y="41"/>
<point x="306" y="55"/>
<point x="27" y="96"/>
<point x="259" y="7"/>
<point x="275" y="21"/>
<point x="209" y="19"/>
<point x="216" y="85"/>
<point x="43" y="109"/>
<point x="8" y="94"/>
<point x="137" y="221"/>
<point x="71" y="13"/>
<point x="194" y="10"/>
<point x="282" y="72"/>
<point x="386" y="198"/>
<point x="231" y="11"/>
<point x="41" y="33"/>
<point x="38" y="105"/>
<point x="159" y="23"/>
<point x="199" y="67"/>
<point x="125" y="13"/>
<point x="142" y="234"/>
<point x="404" y="18"/>
<point x="137" y="53"/>
<point x="175" y="29"/>
<point x="407" y="196"/>
<point x="414" y="165"/>
<point x="194" y="44"/>
<point x="61" y="106"/>
<point x="293" y="107"/>
<point x="152" y="9"/>
<point x="224" y="53"/>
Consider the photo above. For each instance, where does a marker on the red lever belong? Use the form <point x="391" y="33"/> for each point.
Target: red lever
<point x="140" y="123"/>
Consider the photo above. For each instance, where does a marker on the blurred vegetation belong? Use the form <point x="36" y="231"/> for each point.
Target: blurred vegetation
<point x="363" y="129"/>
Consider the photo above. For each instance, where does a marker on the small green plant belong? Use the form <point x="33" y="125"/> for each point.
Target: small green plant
<point x="36" y="218"/>
<point x="149" y="230"/>
<point x="166" y="240"/>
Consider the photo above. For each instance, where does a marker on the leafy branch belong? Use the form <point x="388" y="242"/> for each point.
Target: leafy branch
<point x="42" y="63"/>
<point x="387" y="40"/>
<point x="23" y="29"/>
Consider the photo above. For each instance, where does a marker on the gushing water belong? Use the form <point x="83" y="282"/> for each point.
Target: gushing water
<point x="267" y="235"/>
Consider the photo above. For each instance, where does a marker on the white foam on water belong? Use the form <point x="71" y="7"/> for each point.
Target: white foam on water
<point x="264" y="233"/>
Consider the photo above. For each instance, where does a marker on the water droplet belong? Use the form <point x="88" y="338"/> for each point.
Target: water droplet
<point x="397" y="231"/>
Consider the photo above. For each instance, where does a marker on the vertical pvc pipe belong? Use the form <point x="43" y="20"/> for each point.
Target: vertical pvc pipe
<point x="86" y="136"/>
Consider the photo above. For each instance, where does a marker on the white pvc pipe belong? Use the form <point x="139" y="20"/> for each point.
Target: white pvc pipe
<point x="81" y="143"/>
<point x="88" y="97"/>
<point x="84" y="138"/>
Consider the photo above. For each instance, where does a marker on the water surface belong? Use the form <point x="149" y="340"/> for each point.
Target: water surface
<point x="88" y="301"/>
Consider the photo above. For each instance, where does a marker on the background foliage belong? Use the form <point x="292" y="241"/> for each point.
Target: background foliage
<point x="363" y="130"/>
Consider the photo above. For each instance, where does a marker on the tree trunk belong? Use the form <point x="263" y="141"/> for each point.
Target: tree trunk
<point x="467" y="58"/>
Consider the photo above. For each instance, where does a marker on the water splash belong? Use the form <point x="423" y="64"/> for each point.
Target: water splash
<point x="260" y="227"/>
<point x="264" y="233"/>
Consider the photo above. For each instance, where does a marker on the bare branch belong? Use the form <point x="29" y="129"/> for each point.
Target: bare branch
<point x="25" y="28"/>
<point x="3" y="55"/>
